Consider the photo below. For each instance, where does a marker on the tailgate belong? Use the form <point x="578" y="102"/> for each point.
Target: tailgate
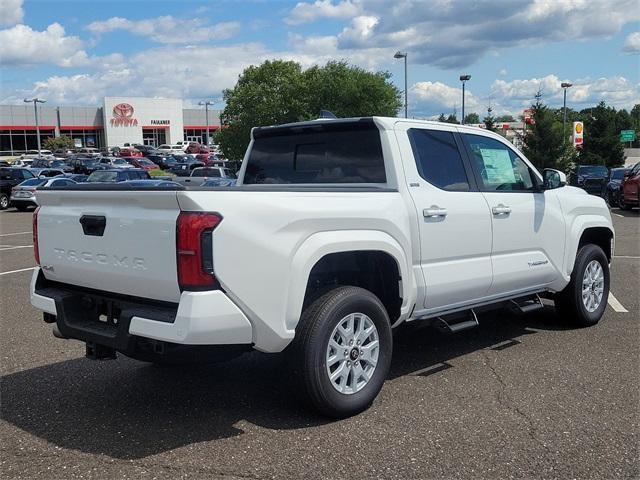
<point x="113" y="241"/>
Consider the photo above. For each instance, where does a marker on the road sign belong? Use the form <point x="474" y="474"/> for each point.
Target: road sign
<point x="578" y="132"/>
<point x="627" y="135"/>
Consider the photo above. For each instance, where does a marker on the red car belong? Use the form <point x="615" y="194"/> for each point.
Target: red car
<point x="142" y="163"/>
<point x="195" y="147"/>
<point x="630" y="189"/>
<point x="130" y="152"/>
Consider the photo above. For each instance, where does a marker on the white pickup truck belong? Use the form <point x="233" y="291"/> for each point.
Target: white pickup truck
<point x="338" y="231"/>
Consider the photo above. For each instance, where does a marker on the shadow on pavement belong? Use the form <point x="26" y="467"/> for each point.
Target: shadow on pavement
<point x="126" y="409"/>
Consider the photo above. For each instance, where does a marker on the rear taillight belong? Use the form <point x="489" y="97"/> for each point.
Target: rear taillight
<point x="36" y="250"/>
<point x="194" y="250"/>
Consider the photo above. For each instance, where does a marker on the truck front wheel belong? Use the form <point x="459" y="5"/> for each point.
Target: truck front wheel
<point x="341" y="353"/>
<point x="584" y="300"/>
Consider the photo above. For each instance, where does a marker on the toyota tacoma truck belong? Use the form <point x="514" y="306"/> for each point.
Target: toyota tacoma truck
<point x="338" y="231"/>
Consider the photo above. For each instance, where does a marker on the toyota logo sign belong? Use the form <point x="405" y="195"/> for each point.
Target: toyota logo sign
<point x="123" y="110"/>
<point x="123" y="116"/>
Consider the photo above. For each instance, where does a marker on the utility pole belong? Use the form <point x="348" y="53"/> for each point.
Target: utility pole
<point x="206" y="104"/>
<point x="464" y="79"/>
<point x="36" y="101"/>
<point x="564" y="85"/>
<point x="399" y="54"/>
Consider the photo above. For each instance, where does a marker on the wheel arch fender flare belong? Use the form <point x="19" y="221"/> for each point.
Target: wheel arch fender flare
<point x="579" y="226"/>
<point x="320" y="244"/>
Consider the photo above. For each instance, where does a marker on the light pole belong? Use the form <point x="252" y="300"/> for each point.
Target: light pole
<point x="564" y="85"/>
<point x="464" y="79"/>
<point x="36" y="101"/>
<point x="206" y="104"/>
<point x="400" y="54"/>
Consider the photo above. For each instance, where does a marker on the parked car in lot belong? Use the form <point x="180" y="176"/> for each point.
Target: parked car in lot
<point x="591" y="178"/>
<point x="115" y="162"/>
<point x="77" y="177"/>
<point x="337" y="232"/>
<point x="22" y="162"/>
<point x="153" y="183"/>
<point x="89" y="151"/>
<point x="170" y="149"/>
<point x="23" y="195"/>
<point x="85" y="165"/>
<point x="164" y="161"/>
<point x="201" y="174"/>
<point x="47" y="172"/>
<point x="196" y="148"/>
<point x="612" y="190"/>
<point x="146" y="149"/>
<point x="185" y="165"/>
<point x="220" y="182"/>
<point x="630" y="189"/>
<point x="9" y="178"/>
<point x="141" y="162"/>
<point x="119" y="175"/>
<point x="62" y="153"/>
<point x="32" y="154"/>
<point x="130" y="152"/>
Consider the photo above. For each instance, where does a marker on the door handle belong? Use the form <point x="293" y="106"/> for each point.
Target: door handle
<point x="434" y="211"/>
<point x="501" y="209"/>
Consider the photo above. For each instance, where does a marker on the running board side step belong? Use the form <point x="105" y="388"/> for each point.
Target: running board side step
<point x="457" y="322"/>
<point x="526" y="304"/>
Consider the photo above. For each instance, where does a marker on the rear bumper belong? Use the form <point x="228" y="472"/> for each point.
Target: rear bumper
<point x="200" y="318"/>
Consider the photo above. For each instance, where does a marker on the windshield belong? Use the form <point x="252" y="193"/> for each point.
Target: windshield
<point x="322" y="154"/>
<point x="145" y="162"/>
<point x="593" y="170"/>
<point x="617" y="174"/>
<point x="103" y="177"/>
<point x="33" y="182"/>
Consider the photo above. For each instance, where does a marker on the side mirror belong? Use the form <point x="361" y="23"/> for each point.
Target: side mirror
<point x="553" y="179"/>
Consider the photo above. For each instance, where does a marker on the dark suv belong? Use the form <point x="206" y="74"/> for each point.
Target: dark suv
<point x="9" y="178"/>
<point x="112" y="176"/>
<point x="86" y="165"/>
<point x="591" y="178"/>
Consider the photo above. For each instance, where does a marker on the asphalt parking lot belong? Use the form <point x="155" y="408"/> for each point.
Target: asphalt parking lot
<point x="517" y="397"/>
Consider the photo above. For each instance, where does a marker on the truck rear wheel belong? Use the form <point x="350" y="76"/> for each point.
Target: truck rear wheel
<point x="341" y="354"/>
<point x="4" y="201"/>
<point x="584" y="300"/>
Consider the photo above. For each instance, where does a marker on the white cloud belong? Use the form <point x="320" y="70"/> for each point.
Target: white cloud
<point x="432" y="98"/>
<point x="12" y="12"/>
<point x="167" y="29"/>
<point x="502" y="72"/>
<point x="21" y="45"/>
<point x="305" y="12"/>
<point x="632" y="43"/>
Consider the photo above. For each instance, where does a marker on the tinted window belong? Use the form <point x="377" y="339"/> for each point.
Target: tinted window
<point x="326" y="154"/>
<point x="498" y="167"/>
<point x="617" y="174"/>
<point x="33" y="182"/>
<point x="438" y="159"/>
<point x="103" y="177"/>
<point x="61" y="183"/>
<point x="593" y="170"/>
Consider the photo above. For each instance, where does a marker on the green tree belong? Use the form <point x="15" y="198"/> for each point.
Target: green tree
<point x="442" y="118"/>
<point x="543" y="139"/>
<point x="452" y="118"/>
<point x="54" y="143"/>
<point x="278" y="91"/>
<point x="472" y="118"/>
<point x="601" y="137"/>
<point x="489" y="121"/>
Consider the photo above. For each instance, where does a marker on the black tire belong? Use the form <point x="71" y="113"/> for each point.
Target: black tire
<point x="569" y="303"/>
<point x="307" y="353"/>
<point x="622" y="203"/>
<point x="4" y="201"/>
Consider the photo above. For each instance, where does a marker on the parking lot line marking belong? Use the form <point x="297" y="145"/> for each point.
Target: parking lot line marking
<point x="13" y="247"/>
<point x="617" y="215"/>
<point x="615" y="304"/>
<point x="625" y="256"/>
<point x="16" y="271"/>
<point x="17" y="233"/>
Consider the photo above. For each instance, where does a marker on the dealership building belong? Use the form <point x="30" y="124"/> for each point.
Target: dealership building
<point x="120" y="120"/>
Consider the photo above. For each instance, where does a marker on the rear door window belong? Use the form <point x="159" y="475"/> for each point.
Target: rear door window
<point x="438" y="159"/>
<point x="322" y="154"/>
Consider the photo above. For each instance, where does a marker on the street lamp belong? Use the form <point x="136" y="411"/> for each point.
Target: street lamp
<point x="564" y="85"/>
<point x="36" y="101"/>
<point x="463" y="79"/>
<point x="206" y="104"/>
<point x="400" y="54"/>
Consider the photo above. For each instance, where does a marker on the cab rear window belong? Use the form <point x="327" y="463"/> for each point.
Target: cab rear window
<point x="317" y="154"/>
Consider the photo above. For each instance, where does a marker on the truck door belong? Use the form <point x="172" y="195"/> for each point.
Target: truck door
<point x="454" y="219"/>
<point x="528" y="225"/>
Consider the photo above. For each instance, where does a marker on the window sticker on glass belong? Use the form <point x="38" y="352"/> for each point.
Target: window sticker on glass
<point x="497" y="166"/>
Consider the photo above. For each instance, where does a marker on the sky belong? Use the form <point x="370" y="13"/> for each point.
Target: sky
<point x="74" y="52"/>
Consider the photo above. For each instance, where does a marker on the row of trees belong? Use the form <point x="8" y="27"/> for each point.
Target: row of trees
<point x="278" y="91"/>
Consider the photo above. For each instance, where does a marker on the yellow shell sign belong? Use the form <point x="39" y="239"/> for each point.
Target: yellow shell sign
<point x="578" y="127"/>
